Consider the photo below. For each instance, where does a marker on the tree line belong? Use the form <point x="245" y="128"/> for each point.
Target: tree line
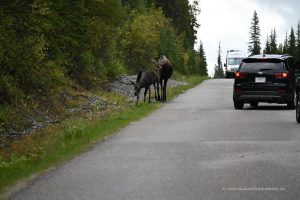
<point x="46" y="45"/>
<point x="291" y="44"/>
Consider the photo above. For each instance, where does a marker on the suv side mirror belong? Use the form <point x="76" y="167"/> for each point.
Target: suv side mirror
<point x="225" y="65"/>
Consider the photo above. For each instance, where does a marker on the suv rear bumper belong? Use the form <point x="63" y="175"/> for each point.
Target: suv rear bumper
<point x="230" y="74"/>
<point x="266" y="96"/>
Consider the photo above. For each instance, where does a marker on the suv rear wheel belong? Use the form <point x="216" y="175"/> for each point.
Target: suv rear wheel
<point x="254" y="104"/>
<point x="298" y="107"/>
<point x="238" y="105"/>
<point x="292" y="104"/>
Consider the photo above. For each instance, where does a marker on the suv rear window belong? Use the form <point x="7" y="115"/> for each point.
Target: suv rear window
<point x="254" y="66"/>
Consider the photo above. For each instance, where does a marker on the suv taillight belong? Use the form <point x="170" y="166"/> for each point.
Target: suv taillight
<point x="239" y="74"/>
<point x="281" y="75"/>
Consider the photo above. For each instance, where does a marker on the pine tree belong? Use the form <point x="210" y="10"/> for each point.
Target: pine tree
<point x="292" y="50"/>
<point x="203" y="64"/>
<point x="219" y="72"/>
<point x="267" y="49"/>
<point x="183" y="17"/>
<point x="297" y="58"/>
<point x="254" y="43"/>
<point x="273" y="42"/>
<point x="285" y="44"/>
<point x="280" y="48"/>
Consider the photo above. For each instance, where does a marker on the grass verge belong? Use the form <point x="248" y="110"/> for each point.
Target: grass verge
<point x="56" y="144"/>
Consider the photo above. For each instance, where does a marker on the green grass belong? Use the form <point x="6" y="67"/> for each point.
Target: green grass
<point x="57" y="144"/>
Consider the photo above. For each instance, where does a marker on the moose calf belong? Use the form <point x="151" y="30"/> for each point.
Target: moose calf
<point x="144" y="80"/>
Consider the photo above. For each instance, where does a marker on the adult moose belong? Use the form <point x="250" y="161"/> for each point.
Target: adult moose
<point x="144" y="80"/>
<point x="164" y="71"/>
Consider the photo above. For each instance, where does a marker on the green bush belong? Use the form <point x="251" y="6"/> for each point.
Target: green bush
<point x="13" y="162"/>
<point x="75" y="130"/>
<point x="9" y="90"/>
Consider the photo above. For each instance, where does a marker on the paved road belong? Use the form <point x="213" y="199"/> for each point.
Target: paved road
<point x="196" y="147"/>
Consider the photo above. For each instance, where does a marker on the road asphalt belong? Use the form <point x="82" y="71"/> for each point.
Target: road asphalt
<point x="197" y="147"/>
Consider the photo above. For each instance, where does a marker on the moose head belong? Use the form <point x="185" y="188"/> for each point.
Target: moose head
<point x="144" y="80"/>
<point x="137" y="87"/>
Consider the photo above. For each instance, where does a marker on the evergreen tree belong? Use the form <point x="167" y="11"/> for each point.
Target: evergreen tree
<point x="273" y="42"/>
<point x="219" y="72"/>
<point x="280" y="48"/>
<point x="267" y="49"/>
<point x="183" y="18"/>
<point x="285" y="44"/>
<point x="297" y="58"/>
<point x="194" y="12"/>
<point x="292" y="50"/>
<point x="254" y="43"/>
<point x="203" y="62"/>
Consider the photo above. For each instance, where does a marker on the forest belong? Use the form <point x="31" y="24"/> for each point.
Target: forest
<point x="48" y="45"/>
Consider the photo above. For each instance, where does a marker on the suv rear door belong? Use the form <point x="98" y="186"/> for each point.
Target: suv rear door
<point x="261" y="74"/>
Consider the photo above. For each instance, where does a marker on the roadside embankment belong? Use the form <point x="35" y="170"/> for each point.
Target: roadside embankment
<point x="89" y="117"/>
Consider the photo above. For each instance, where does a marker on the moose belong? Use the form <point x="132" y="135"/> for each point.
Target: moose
<point x="144" y="80"/>
<point x="164" y="71"/>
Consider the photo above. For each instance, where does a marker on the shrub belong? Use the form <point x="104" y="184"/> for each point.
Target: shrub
<point x="75" y="129"/>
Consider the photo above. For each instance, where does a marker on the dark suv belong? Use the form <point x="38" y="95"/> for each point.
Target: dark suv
<point x="265" y="78"/>
<point x="298" y="97"/>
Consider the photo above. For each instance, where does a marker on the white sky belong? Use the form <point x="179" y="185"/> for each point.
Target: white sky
<point x="228" y="21"/>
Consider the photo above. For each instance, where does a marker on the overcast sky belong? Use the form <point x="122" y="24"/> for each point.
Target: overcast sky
<point x="228" y="21"/>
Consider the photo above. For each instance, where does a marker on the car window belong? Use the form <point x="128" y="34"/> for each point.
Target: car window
<point x="253" y="67"/>
<point x="234" y="61"/>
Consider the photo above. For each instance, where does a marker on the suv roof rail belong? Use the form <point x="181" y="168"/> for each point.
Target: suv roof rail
<point x="271" y="56"/>
<point x="233" y="50"/>
<point x="286" y="56"/>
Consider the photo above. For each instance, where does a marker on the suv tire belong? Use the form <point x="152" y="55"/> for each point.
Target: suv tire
<point x="238" y="105"/>
<point x="291" y="105"/>
<point x="298" y="107"/>
<point x="254" y="104"/>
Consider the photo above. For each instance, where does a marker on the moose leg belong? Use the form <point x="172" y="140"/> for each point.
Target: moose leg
<point x="149" y="94"/>
<point x="155" y="91"/>
<point x="145" y="94"/>
<point x="165" y="90"/>
<point x="157" y="88"/>
<point x="137" y="99"/>
<point x="161" y="89"/>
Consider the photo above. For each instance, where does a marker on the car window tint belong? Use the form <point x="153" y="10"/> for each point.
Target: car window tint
<point x="260" y="66"/>
<point x="234" y="61"/>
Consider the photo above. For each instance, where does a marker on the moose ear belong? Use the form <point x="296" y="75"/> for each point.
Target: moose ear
<point x="132" y="82"/>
